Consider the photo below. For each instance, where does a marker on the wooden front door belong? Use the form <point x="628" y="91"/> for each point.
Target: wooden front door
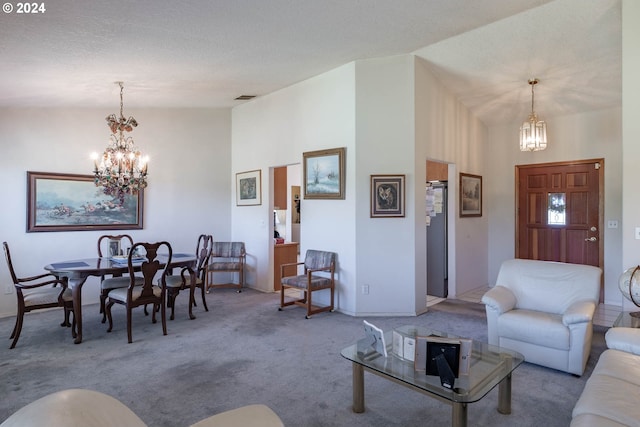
<point x="560" y="212"/>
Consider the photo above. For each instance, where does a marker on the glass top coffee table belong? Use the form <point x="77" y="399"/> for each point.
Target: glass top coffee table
<point x="490" y="366"/>
<point x="628" y="320"/>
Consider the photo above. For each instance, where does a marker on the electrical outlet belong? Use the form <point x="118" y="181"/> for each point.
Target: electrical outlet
<point x="365" y="289"/>
<point x="8" y="288"/>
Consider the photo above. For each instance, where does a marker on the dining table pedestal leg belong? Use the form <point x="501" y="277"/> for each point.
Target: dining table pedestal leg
<point x="76" y="292"/>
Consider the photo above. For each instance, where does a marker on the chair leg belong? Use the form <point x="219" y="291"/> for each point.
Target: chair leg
<point x="163" y="318"/>
<point x="74" y="332"/>
<point x="307" y="294"/>
<point x="154" y="311"/>
<point x="204" y="301"/>
<point x="107" y="309"/>
<point x="67" y="314"/>
<point x="103" y="299"/>
<point x="192" y="301"/>
<point x="17" y="328"/>
<point x="171" y="302"/>
<point x="129" y="318"/>
<point x="281" y="298"/>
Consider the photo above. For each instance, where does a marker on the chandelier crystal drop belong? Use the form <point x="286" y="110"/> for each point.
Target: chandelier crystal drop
<point x="121" y="169"/>
<point x="533" y="133"/>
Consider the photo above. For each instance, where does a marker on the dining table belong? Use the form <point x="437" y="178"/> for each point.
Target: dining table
<point x="77" y="271"/>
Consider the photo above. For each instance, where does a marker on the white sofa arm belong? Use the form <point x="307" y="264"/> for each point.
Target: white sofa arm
<point x="579" y="312"/>
<point x="625" y="339"/>
<point x="499" y="299"/>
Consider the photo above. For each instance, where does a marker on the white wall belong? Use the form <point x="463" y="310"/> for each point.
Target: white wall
<point x="630" y="132"/>
<point x="390" y="115"/>
<point x="448" y="132"/>
<point x="275" y="130"/>
<point x="189" y="180"/>
<point x="385" y="140"/>
<point x="590" y="135"/>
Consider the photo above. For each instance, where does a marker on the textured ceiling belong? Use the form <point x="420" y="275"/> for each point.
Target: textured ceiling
<point x="206" y="53"/>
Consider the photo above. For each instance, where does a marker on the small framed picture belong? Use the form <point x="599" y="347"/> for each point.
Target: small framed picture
<point x="249" y="188"/>
<point x="470" y="195"/>
<point x="387" y="196"/>
<point x="114" y="247"/>
<point x="324" y="174"/>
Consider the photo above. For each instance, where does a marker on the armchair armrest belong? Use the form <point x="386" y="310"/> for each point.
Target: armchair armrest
<point x="190" y="271"/>
<point x="500" y="299"/>
<point x="312" y="270"/>
<point x="289" y="264"/>
<point x="38" y="277"/>
<point x="624" y="339"/>
<point x="579" y="312"/>
<point x="23" y="285"/>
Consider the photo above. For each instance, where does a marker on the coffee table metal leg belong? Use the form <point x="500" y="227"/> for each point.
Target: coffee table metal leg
<point x="358" y="388"/>
<point x="459" y="415"/>
<point x="504" y="388"/>
<point x="504" y="395"/>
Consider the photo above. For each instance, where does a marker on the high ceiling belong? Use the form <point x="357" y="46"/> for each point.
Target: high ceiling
<point x="206" y="53"/>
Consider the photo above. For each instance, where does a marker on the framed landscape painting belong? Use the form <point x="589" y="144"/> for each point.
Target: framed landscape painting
<point x="70" y="202"/>
<point x="324" y="174"/>
<point x="387" y="196"/>
<point x="470" y="195"/>
<point x="249" y="188"/>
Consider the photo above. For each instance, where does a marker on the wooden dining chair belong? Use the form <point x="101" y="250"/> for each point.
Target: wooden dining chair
<point x="39" y="292"/>
<point x="182" y="281"/>
<point x="135" y="295"/>
<point x="108" y="246"/>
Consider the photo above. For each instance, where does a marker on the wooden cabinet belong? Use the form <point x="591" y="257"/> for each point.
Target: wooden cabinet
<point x="437" y="171"/>
<point x="284" y="253"/>
<point x="280" y="188"/>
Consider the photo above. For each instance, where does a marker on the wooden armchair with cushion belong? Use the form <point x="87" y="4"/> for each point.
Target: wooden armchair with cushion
<point x="319" y="270"/>
<point x="38" y="292"/>
<point x="226" y="257"/>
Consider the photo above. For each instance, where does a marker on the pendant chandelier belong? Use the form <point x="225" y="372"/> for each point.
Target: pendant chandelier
<point x="121" y="169"/>
<point x="533" y="133"/>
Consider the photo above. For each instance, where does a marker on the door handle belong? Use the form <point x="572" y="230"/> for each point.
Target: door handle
<point x="590" y="239"/>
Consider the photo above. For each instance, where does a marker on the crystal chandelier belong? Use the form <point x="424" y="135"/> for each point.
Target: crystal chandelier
<point x="533" y="133"/>
<point x="121" y="169"/>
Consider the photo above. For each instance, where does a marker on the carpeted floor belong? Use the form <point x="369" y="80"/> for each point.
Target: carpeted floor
<point x="245" y="351"/>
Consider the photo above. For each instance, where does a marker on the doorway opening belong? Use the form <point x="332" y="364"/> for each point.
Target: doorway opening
<point x="285" y="224"/>
<point x="439" y="226"/>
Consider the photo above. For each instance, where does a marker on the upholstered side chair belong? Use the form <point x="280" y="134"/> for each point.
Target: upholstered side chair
<point x="227" y="257"/>
<point x="319" y="271"/>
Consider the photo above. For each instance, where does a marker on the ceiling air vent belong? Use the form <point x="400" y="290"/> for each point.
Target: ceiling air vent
<point x="245" y="97"/>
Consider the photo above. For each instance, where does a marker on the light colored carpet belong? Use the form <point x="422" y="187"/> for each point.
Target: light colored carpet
<point x="245" y="351"/>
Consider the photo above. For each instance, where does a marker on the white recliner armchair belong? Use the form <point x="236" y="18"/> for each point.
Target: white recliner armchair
<point x="544" y="310"/>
